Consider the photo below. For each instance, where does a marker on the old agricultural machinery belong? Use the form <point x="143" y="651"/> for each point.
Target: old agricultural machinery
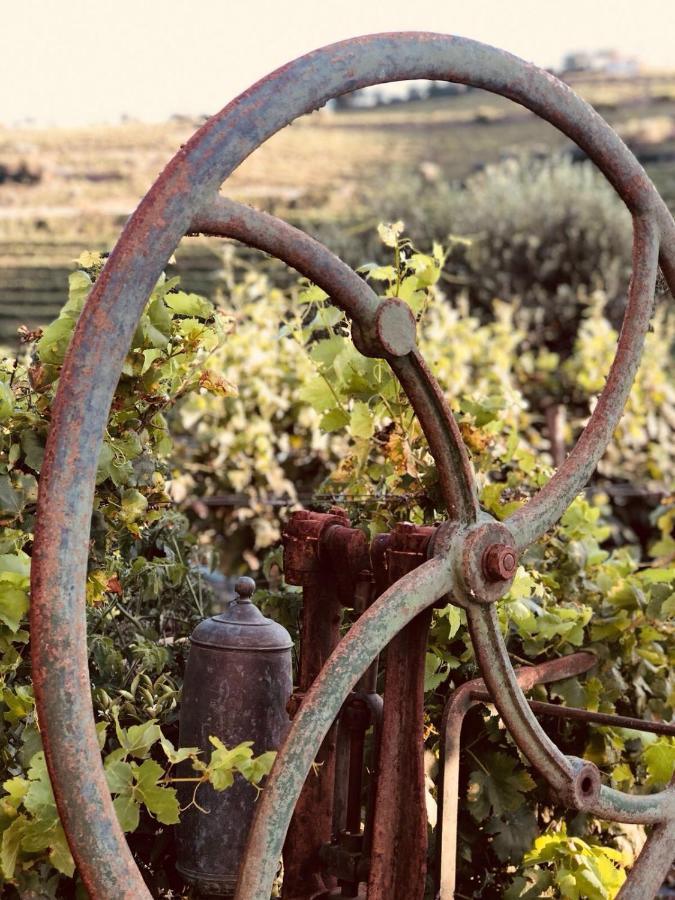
<point x="470" y="558"/>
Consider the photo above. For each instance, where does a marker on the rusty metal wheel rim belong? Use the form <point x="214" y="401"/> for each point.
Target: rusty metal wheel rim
<point x="182" y="196"/>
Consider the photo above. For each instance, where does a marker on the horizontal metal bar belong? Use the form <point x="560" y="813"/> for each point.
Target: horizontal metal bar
<point x="587" y="715"/>
<point x="656" y="492"/>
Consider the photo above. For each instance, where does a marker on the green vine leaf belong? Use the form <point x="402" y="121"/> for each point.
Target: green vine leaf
<point x="659" y="759"/>
<point x="498" y="788"/>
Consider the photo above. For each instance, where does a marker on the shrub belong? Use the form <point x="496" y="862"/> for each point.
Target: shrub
<point x="310" y="414"/>
<point x="543" y="234"/>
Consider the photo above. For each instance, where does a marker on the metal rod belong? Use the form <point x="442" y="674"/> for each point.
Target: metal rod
<point x="587" y="715"/>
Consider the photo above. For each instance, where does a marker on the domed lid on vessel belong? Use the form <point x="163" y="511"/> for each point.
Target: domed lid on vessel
<point x="242" y="626"/>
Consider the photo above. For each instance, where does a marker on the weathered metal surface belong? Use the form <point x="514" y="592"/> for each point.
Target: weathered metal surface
<point x="398" y="858"/>
<point x="312" y="823"/>
<point x="499" y="562"/>
<point x="459" y="703"/>
<point x="487" y="542"/>
<point x="357" y="716"/>
<point x="345" y="762"/>
<point x="186" y="187"/>
<point x="237" y="684"/>
<point x="586" y="715"/>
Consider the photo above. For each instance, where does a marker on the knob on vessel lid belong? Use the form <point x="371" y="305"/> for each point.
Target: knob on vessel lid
<point x="242" y="626"/>
<point x="244" y="588"/>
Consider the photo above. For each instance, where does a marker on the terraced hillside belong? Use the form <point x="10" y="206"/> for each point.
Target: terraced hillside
<point x="79" y="186"/>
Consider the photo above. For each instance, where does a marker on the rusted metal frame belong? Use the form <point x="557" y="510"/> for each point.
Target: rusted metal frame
<point x="398" y="858"/>
<point x="325" y="556"/>
<point x="365" y="692"/>
<point x="346" y="857"/>
<point x="536" y="517"/>
<point x="348" y="837"/>
<point x="458" y="705"/>
<point x="361" y="722"/>
<point x="104" y="331"/>
<point x="365" y="640"/>
<point x="311" y="824"/>
<point x="359" y="713"/>
<point x="576" y="783"/>
<point x="376" y="708"/>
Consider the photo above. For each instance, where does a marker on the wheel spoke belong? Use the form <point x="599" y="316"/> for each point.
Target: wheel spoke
<point x="455" y="473"/>
<point x="222" y="217"/>
<point x="509" y="699"/>
<point x="226" y="218"/>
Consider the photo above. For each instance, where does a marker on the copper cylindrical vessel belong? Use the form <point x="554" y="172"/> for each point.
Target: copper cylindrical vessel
<point x="237" y="684"/>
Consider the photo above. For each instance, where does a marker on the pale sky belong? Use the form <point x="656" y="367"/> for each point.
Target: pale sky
<point x="68" y="62"/>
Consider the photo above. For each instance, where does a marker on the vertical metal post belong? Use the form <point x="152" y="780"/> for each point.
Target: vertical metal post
<point x="311" y="825"/>
<point x="324" y="556"/>
<point x="398" y="859"/>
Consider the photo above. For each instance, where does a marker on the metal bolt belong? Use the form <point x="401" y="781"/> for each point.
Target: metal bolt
<point x="499" y="562"/>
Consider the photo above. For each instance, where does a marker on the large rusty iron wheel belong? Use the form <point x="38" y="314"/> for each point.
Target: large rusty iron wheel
<point x="474" y="557"/>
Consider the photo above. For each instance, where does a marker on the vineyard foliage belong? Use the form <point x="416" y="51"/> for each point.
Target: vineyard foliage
<point x="144" y="595"/>
<point x="268" y="402"/>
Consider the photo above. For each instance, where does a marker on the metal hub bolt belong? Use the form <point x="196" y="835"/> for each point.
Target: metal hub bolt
<point x="499" y="562"/>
